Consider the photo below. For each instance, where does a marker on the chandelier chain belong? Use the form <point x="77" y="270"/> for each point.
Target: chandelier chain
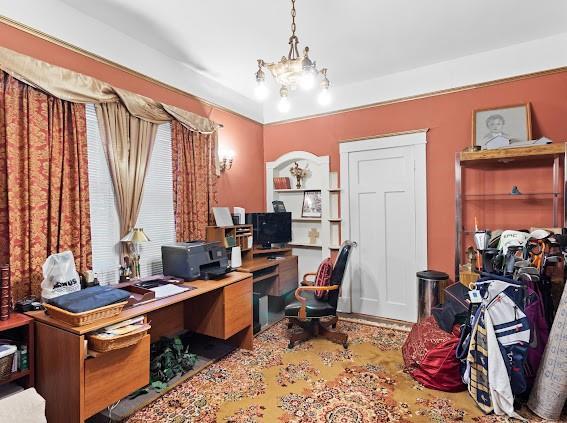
<point x="293" y="18"/>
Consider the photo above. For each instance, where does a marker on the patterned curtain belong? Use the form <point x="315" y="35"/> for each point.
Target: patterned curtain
<point x="194" y="180"/>
<point x="44" y="192"/>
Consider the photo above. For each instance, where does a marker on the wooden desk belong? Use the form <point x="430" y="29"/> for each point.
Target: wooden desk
<point x="282" y="273"/>
<point x="76" y="387"/>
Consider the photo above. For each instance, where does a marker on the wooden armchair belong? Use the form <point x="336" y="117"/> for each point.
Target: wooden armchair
<point x="308" y="311"/>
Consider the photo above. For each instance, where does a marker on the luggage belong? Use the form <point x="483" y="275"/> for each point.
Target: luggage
<point x="455" y="309"/>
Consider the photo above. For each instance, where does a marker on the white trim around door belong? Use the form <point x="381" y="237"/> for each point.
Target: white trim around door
<point x="416" y="141"/>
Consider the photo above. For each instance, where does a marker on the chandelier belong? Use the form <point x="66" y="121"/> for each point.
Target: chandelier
<point x="292" y="71"/>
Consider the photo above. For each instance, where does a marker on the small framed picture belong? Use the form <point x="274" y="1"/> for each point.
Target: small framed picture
<point x="502" y="127"/>
<point x="311" y="204"/>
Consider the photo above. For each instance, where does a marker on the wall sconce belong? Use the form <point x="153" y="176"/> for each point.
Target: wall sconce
<point x="226" y="159"/>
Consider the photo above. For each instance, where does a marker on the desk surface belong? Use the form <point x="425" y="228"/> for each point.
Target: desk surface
<point x="259" y="263"/>
<point x="201" y="285"/>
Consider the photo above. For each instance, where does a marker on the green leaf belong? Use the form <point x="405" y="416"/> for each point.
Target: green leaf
<point x="158" y="386"/>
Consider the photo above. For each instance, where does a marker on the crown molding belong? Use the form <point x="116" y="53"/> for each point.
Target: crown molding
<point x="51" y="39"/>
<point x="423" y="96"/>
<point x="54" y="40"/>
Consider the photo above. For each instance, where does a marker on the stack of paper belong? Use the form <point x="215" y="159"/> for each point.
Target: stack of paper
<point x="122" y="328"/>
<point x="168" y="290"/>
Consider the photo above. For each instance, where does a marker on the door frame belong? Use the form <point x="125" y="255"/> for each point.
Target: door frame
<point x="416" y="139"/>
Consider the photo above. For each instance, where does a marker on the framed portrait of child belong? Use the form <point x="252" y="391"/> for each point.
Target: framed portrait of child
<point x="502" y="127"/>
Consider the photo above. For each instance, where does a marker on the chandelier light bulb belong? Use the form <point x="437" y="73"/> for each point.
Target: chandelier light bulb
<point x="261" y="91"/>
<point x="284" y="105"/>
<point x="307" y="80"/>
<point x="324" y="97"/>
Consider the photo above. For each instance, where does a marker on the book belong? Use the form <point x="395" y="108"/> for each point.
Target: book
<point x="282" y="182"/>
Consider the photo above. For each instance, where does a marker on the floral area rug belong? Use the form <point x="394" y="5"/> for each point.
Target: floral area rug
<point x="316" y="381"/>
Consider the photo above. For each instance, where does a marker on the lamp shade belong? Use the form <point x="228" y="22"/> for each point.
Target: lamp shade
<point x="136" y="236"/>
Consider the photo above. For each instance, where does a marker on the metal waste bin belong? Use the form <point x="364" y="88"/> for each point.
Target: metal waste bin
<point x="430" y="285"/>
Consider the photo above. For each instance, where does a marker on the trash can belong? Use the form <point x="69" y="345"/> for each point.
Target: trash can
<point x="430" y="285"/>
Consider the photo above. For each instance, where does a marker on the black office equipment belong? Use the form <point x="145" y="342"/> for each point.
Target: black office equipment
<point x="270" y="228"/>
<point x="194" y="260"/>
<point x="279" y="206"/>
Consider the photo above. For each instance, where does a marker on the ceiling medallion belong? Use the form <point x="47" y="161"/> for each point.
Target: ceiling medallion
<point x="292" y="71"/>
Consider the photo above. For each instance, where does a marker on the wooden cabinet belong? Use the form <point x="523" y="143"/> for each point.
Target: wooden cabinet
<point x="287" y="275"/>
<point x="221" y="314"/>
<point x="115" y="374"/>
<point x="19" y="330"/>
<point x="237" y="307"/>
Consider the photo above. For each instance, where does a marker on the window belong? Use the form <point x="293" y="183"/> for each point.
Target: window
<point x="156" y="212"/>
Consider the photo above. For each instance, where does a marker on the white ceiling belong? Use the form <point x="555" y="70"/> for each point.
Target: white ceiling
<point x="357" y="40"/>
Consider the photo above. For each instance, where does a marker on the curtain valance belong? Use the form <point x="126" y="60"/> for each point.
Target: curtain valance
<point x="78" y="88"/>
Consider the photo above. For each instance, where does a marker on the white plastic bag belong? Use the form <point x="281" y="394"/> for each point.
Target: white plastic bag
<point x="59" y="275"/>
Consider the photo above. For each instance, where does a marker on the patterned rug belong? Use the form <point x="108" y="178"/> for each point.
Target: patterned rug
<point x="316" y="381"/>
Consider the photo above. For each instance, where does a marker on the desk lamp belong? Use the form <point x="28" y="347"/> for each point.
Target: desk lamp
<point x="136" y="236"/>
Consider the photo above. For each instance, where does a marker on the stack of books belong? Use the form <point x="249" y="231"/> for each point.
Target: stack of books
<point x="5" y="292"/>
<point x="282" y="183"/>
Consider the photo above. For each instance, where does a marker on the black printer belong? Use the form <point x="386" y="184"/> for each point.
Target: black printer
<point x="195" y="260"/>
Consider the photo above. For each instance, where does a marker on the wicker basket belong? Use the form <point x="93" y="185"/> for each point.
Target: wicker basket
<point x="99" y="344"/>
<point x="86" y="317"/>
<point x="6" y="366"/>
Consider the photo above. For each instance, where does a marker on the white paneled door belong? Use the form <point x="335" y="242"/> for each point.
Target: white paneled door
<point x="383" y="219"/>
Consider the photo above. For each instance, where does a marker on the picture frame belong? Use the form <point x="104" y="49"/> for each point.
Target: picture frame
<point x="311" y="204"/>
<point x="501" y="127"/>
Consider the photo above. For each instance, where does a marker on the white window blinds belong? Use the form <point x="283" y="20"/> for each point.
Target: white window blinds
<point x="105" y="227"/>
<point x="156" y="213"/>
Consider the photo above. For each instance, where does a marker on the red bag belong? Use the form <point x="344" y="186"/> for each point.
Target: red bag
<point x="440" y="368"/>
<point x="429" y="356"/>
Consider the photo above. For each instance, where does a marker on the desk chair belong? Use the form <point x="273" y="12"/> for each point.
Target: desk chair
<point x="308" y="311"/>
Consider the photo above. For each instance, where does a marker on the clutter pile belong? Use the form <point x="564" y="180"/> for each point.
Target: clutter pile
<point x="496" y="330"/>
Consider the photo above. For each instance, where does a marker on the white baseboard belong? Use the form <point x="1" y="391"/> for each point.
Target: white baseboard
<point x="343" y="305"/>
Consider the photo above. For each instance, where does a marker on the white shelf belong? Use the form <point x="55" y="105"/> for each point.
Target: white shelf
<point x="336" y="220"/>
<point x="297" y="190"/>
<point x="304" y="245"/>
<point x="310" y="251"/>
<point x="334" y="247"/>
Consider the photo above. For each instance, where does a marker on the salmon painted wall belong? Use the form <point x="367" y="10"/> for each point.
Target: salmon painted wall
<point x="239" y="134"/>
<point x="449" y="119"/>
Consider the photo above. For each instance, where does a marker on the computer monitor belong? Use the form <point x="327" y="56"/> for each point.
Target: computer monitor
<point x="270" y="228"/>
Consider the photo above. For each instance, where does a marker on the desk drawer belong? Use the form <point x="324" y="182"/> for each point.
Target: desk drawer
<point x="237" y="307"/>
<point x="288" y="278"/>
<point x="115" y="374"/>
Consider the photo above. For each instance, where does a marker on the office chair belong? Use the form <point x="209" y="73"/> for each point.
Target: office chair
<point x="308" y="311"/>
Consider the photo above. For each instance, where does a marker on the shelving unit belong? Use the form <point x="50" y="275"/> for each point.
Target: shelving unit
<point x="543" y="159"/>
<point x="19" y="329"/>
<point x="240" y="235"/>
<point x="309" y="249"/>
<point x="334" y="215"/>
